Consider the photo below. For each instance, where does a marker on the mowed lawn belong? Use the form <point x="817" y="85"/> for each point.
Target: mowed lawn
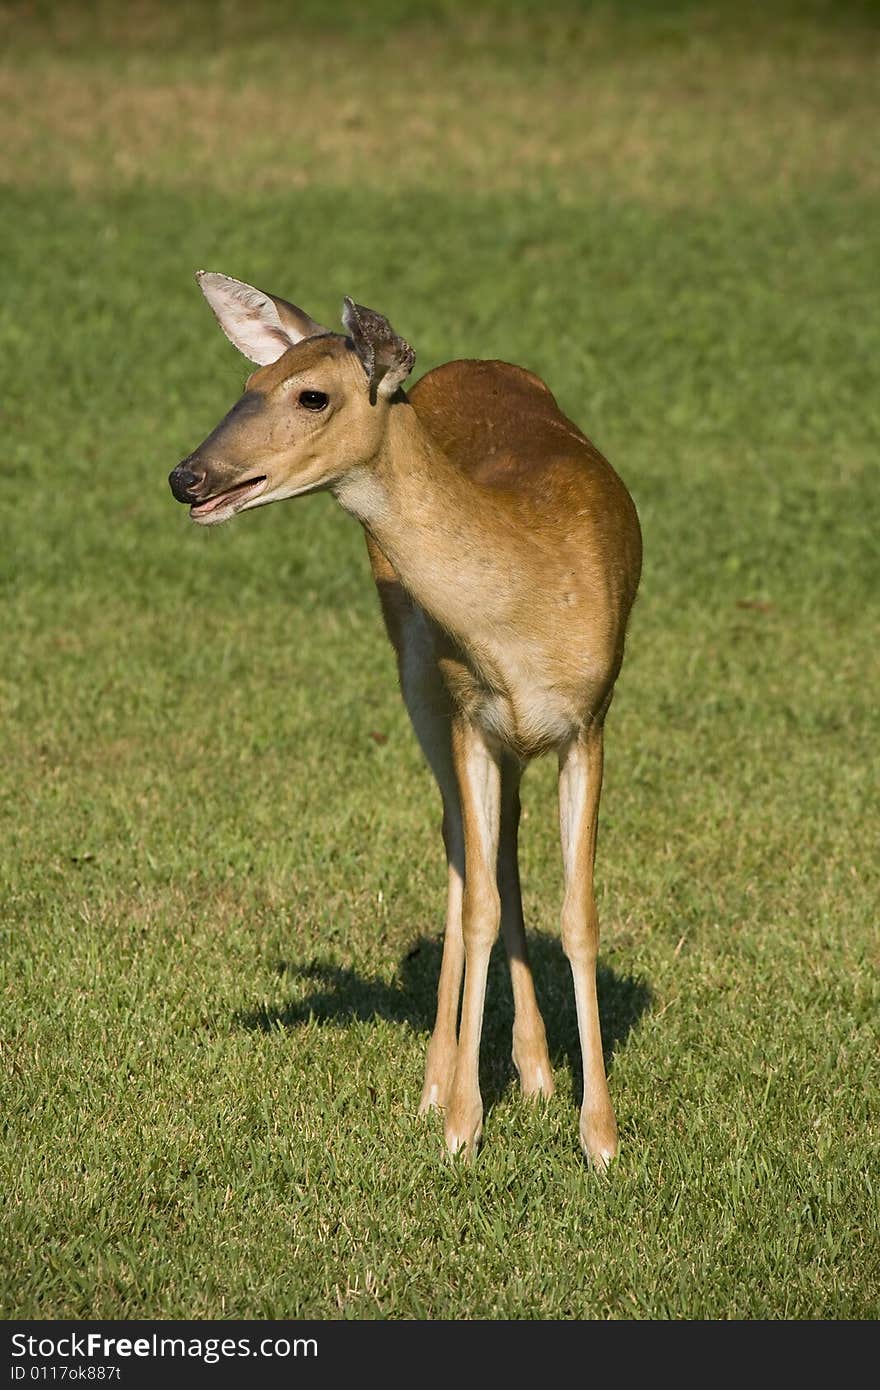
<point x="222" y="878"/>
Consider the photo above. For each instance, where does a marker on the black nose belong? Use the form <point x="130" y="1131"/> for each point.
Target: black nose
<point x="184" y="481"/>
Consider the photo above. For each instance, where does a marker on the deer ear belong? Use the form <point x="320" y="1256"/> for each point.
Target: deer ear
<point x="259" y="325"/>
<point x="387" y="358"/>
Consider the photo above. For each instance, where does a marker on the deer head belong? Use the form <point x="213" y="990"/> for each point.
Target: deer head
<point x="315" y="408"/>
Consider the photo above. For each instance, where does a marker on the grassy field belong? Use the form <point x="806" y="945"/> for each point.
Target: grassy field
<point x="222" y="883"/>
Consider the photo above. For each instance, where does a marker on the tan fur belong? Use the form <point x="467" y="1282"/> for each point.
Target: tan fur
<point x="506" y="553"/>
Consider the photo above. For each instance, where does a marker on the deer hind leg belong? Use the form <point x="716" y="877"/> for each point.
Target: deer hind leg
<point x="530" y="1056"/>
<point x="478" y="770"/>
<point x="580" y="784"/>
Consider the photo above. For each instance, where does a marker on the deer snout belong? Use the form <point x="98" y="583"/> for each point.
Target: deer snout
<point x="184" y="481"/>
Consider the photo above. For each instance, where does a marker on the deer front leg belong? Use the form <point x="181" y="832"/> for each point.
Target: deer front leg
<point x="580" y="783"/>
<point x="429" y="708"/>
<point x="530" y="1056"/>
<point x="443" y="1047"/>
<point x="478" y="769"/>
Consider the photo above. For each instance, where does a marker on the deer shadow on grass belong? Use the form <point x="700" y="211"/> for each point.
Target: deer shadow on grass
<point x="338" y="996"/>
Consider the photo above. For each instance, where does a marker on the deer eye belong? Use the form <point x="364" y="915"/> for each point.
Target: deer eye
<point x="314" y="400"/>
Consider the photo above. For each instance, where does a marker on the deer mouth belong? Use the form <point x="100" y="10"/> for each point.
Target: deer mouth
<point x="228" y="502"/>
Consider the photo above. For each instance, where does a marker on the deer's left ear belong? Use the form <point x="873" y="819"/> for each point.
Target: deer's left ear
<point x="387" y="358"/>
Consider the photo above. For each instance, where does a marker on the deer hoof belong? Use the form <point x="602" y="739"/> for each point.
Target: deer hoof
<point x="464" y="1130"/>
<point x="598" y="1135"/>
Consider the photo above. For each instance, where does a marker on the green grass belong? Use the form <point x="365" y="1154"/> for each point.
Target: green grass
<point x="221" y="892"/>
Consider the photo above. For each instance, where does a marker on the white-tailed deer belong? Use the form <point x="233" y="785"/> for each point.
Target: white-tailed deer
<point x="507" y="553"/>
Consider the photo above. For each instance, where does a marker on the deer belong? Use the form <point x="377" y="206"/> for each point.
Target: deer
<point x="506" y="552"/>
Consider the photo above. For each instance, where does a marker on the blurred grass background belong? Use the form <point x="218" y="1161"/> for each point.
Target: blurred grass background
<point x="222" y="881"/>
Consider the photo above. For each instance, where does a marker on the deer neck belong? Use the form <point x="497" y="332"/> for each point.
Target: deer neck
<point x="433" y="523"/>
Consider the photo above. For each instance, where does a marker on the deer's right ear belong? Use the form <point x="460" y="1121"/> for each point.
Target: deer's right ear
<point x="260" y="325"/>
